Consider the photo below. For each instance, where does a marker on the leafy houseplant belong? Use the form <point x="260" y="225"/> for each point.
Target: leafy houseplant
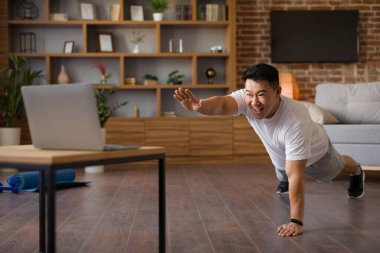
<point x="103" y="94"/>
<point x="12" y="79"/>
<point x="158" y="7"/>
<point x="175" y="77"/>
<point x="150" y="79"/>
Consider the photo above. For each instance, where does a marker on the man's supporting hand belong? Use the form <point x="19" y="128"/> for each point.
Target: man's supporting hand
<point x="289" y="229"/>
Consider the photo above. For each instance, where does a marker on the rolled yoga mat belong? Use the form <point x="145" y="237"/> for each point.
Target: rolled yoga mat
<point x="29" y="181"/>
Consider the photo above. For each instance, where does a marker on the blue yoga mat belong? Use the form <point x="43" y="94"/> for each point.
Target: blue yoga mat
<point x="29" y="181"/>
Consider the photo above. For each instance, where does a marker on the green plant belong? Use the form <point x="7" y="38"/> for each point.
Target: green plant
<point x="103" y="93"/>
<point x="175" y="77"/>
<point x="159" y="5"/>
<point x="150" y="77"/>
<point x="137" y="37"/>
<point x="11" y="81"/>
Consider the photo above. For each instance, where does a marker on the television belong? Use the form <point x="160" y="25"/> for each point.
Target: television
<point x="314" y="36"/>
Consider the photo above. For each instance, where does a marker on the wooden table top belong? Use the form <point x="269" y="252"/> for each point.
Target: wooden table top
<point x="27" y="154"/>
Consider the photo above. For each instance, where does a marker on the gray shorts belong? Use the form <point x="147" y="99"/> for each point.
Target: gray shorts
<point x="323" y="170"/>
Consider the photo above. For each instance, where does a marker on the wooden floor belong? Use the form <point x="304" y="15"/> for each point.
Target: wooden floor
<point x="213" y="208"/>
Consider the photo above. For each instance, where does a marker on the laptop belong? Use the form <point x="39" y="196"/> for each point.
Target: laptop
<point x="65" y="117"/>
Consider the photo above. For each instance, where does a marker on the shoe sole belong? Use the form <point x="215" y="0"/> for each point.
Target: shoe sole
<point x="361" y="195"/>
<point x="280" y="193"/>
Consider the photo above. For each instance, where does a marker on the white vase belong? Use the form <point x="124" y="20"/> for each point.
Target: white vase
<point x="63" y="77"/>
<point x="158" y="16"/>
<point x="136" y="49"/>
<point x="97" y="168"/>
<point x="10" y="136"/>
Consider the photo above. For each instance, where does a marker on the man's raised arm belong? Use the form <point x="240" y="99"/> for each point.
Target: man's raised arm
<point x="217" y="105"/>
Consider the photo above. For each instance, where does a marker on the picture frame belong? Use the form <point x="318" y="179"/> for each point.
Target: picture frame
<point x="137" y="13"/>
<point x="68" y="47"/>
<point x="87" y="11"/>
<point x="105" y="42"/>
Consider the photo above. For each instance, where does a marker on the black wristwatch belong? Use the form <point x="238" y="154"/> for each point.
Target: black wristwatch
<point x="297" y="222"/>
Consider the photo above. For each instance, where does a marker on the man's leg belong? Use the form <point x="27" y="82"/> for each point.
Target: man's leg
<point x="357" y="177"/>
<point x="283" y="187"/>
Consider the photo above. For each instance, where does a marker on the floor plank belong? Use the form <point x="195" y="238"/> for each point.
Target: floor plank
<point x="210" y="209"/>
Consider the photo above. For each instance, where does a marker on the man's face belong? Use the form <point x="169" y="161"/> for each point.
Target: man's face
<point x="261" y="98"/>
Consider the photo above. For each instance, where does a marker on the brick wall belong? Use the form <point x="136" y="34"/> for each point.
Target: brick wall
<point x="253" y="42"/>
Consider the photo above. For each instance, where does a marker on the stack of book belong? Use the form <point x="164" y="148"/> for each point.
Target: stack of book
<point x="168" y="114"/>
<point x="212" y="12"/>
<point x="183" y="11"/>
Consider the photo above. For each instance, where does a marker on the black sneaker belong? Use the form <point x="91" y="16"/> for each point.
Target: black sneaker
<point x="282" y="188"/>
<point x="356" y="186"/>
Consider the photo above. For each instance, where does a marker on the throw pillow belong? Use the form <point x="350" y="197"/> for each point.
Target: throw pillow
<point x="319" y="114"/>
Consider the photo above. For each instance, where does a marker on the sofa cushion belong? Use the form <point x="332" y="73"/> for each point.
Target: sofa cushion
<point x="319" y="114"/>
<point x="354" y="133"/>
<point x="351" y="103"/>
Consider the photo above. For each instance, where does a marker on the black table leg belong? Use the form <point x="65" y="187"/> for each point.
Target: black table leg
<point x="51" y="210"/>
<point x="161" y="205"/>
<point x="42" y="210"/>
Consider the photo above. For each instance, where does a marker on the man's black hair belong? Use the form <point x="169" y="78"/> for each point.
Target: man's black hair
<point x="262" y="72"/>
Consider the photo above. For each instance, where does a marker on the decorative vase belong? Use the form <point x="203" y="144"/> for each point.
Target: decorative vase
<point x="63" y="77"/>
<point x="103" y="79"/>
<point x="97" y="168"/>
<point x="158" y="16"/>
<point x="136" y="49"/>
<point x="10" y="136"/>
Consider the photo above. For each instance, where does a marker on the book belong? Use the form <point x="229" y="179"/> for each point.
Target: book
<point x="115" y="12"/>
<point x="201" y="12"/>
<point x="183" y="11"/>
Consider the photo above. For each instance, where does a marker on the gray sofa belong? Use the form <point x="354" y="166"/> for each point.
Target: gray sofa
<point x="357" y="110"/>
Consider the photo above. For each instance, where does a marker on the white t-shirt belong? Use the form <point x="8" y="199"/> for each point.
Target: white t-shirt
<point x="290" y="134"/>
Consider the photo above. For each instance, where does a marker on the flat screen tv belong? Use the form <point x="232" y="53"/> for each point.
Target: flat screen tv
<point x="314" y="36"/>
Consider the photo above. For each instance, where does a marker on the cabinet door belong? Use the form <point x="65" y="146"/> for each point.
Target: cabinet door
<point x="246" y="141"/>
<point x="172" y="133"/>
<point x="211" y="137"/>
<point x="125" y="132"/>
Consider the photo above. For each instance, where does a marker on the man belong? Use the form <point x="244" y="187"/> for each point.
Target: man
<point x="295" y="144"/>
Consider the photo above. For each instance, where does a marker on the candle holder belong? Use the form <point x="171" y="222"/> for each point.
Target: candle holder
<point x="175" y="46"/>
<point x="27" y="42"/>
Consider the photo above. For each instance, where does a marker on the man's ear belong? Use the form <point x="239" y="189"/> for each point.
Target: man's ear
<point x="279" y="90"/>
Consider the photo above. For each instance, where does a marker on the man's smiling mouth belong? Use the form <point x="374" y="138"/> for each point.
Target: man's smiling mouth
<point x="257" y="109"/>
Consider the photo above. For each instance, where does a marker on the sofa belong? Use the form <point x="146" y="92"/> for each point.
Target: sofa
<point x="350" y="113"/>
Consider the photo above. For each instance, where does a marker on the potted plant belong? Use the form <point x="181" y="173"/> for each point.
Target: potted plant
<point x="12" y="106"/>
<point x="175" y="77"/>
<point x="103" y="93"/>
<point x="158" y="7"/>
<point x="138" y="38"/>
<point x="150" y="79"/>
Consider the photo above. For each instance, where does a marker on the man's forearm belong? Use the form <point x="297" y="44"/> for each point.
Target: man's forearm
<point x="297" y="197"/>
<point x="213" y="106"/>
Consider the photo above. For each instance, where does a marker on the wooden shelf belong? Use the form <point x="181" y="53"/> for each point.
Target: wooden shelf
<point x="197" y="35"/>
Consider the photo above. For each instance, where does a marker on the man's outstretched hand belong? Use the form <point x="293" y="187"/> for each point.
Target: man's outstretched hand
<point x="188" y="99"/>
<point x="289" y="229"/>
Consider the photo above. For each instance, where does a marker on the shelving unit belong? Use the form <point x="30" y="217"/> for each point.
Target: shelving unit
<point x="197" y="36"/>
